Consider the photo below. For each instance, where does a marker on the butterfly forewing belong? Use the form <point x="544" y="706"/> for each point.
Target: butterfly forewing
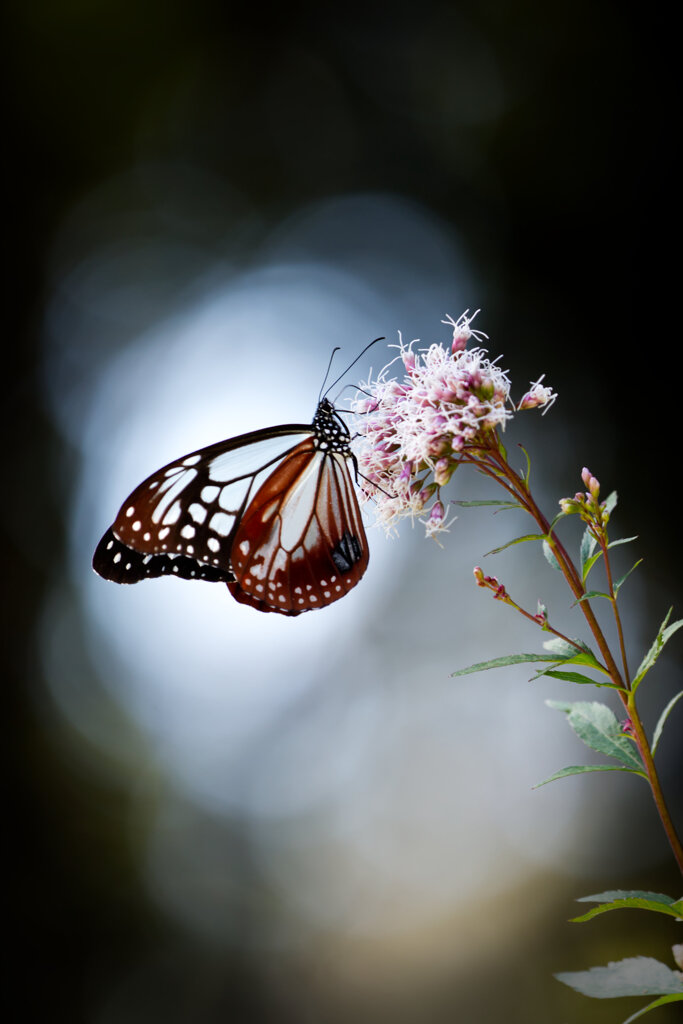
<point x="121" y="564"/>
<point x="190" y="507"/>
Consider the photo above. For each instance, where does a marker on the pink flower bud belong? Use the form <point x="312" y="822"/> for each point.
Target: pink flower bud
<point x="443" y="471"/>
<point x="437" y="513"/>
<point x="592" y="485"/>
<point x="406" y="472"/>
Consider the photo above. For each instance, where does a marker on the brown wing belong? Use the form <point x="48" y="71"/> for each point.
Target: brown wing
<point x="300" y="543"/>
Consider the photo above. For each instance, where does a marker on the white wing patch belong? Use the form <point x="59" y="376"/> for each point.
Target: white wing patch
<point x="193" y="505"/>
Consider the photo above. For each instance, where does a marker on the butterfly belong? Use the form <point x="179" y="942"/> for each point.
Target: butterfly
<point x="272" y="513"/>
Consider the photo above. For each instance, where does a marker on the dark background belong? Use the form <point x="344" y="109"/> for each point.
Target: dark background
<point x="562" y="191"/>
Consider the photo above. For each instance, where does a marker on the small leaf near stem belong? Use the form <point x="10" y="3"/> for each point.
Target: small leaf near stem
<point x="659" y="728"/>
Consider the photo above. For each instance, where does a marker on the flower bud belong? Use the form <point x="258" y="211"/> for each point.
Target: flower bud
<point x="437" y="513"/>
<point x="443" y="471"/>
<point x="592" y="485"/>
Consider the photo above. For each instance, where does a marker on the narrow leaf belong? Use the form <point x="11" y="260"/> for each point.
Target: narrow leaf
<point x="611" y="502"/>
<point x="624" y="894"/>
<point x="623" y="540"/>
<point x="560" y="515"/>
<point x="634" y="976"/>
<point x="517" y="540"/>
<point x="528" y="465"/>
<point x="576" y="769"/>
<point x="588" y="543"/>
<point x="589" y="595"/>
<point x="572" y="677"/>
<point x="506" y="659"/>
<point x="597" y="726"/>
<point x="632" y="901"/>
<point x="652" y="1006"/>
<point x="590" y="562"/>
<point x="550" y="557"/>
<point x="618" y="584"/>
<point x="662" y="719"/>
<point x="664" y="634"/>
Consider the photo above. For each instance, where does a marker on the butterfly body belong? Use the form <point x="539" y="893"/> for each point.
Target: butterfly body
<point x="273" y="514"/>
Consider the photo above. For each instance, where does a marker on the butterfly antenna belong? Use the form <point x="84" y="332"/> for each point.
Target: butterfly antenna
<point x="327" y="373"/>
<point x="360" y="354"/>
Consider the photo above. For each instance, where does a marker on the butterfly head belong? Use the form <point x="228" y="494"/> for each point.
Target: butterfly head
<point x="331" y="433"/>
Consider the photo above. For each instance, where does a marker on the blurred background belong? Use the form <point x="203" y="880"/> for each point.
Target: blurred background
<point x="215" y="816"/>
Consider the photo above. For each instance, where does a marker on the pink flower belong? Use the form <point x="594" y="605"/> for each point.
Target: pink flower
<point x="412" y="434"/>
<point x="537" y="395"/>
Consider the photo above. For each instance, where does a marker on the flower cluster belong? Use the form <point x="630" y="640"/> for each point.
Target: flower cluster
<point x="414" y="432"/>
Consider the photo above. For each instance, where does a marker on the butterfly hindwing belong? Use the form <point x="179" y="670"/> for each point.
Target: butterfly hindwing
<point x="301" y="544"/>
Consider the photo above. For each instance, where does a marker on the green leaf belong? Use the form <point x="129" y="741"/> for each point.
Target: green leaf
<point x="624" y="540"/>
<point x="652" y="1006"/>
<point x="528" y="465"/>
<point x="623" y="894"/>
<point x="597" y="726"/>
<point x="573" y="677"/>
<point x="631" y="900"/>
<point x="664" y="634"/>
<point x="568" y="654"/>
<point x="517" y="540"/>
<point x="611" y="502"/>
<point x="581" y="769"/>
<point x="588" y="543"/>
<point x="506" y="659"/>
<point x="662" y="719"/>
<point x="560" y="515"/>
<point x="634" y="976"/>
<point x="589" y="595"/>
<point x="550" y="557"/>
<point x="590" y="562"/>
<point x="618" y="584"/>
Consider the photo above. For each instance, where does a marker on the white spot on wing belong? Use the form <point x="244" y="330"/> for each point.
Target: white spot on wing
<point x="173" y="514"/>
<point x="221" y="523"/>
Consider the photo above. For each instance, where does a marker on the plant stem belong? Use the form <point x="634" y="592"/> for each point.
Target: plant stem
<point x="497" y="466"/>
<point x="629" y="700"/>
